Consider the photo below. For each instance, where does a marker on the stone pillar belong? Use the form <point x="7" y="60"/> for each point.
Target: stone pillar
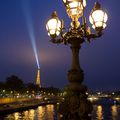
<point x="75" y="105"/>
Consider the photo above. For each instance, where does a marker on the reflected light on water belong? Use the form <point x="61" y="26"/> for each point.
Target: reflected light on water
<point x="26" y="115"/>
<point x="114" y="112"/>
<point x="99" y="113"/>
<point x="41" y="112"/>
<point x="31" y="114"/>
<point x="50" y="111"/>
<point x="16" y="116"/>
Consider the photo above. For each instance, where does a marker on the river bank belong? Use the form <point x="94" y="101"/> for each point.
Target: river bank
<point x="32" y="103"/>
<point x="18" y="106"/>
<point x="50" y="112"/>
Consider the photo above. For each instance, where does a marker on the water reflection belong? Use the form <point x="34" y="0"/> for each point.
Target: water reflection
<point x="114" y="112"/>
<point x="99" y="113"/>
<point x="41" y="113"/>
<point x="14" y="116"/>
<point x="49" y="112"/>
<point x="106" y="112"/>
<point x="26" y="115"/>
<point x="31" y="114"/>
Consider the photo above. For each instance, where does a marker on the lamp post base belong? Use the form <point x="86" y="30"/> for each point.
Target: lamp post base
<point x="75" y="105"/>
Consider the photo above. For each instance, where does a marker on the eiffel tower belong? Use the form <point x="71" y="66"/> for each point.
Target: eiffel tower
<point x="38" y="82"/>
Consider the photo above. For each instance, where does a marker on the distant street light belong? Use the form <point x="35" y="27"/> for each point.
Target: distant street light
<point x="75" y="105"/>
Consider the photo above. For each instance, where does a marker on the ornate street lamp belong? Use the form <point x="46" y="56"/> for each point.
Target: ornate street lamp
<point x="54" y="26"/>
<point x="98" y="18"/>
<point x="75" y="105"/>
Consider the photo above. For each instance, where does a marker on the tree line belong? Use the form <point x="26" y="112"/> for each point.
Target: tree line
<point x="14" y="83"/>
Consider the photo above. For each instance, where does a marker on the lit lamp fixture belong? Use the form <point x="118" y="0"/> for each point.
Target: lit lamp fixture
<point x="98" y="18"/>
<point x="75" y="105"/>
<point x="54" y="26"/>
<point x="75" y="8"/>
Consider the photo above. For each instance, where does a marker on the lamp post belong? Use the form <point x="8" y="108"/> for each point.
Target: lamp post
<point x="75" y="105"/>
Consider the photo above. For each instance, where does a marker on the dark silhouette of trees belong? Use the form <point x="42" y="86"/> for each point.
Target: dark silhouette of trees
<point x="31" y="87"/>
<point x="14" y="83"/>
<point x="51" y="90"/>
<point x="2" y="85"/>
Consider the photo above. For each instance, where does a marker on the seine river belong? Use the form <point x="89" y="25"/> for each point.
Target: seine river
<point x="49" y="112"/>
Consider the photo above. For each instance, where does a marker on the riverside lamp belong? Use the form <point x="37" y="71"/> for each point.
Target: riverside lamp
<point x="75" y="105"/>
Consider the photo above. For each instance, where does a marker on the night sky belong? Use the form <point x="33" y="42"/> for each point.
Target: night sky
<point x="100" y="59"/>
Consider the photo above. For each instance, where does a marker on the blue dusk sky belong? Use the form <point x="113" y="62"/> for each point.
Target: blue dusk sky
<point x="24" y="20"/>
